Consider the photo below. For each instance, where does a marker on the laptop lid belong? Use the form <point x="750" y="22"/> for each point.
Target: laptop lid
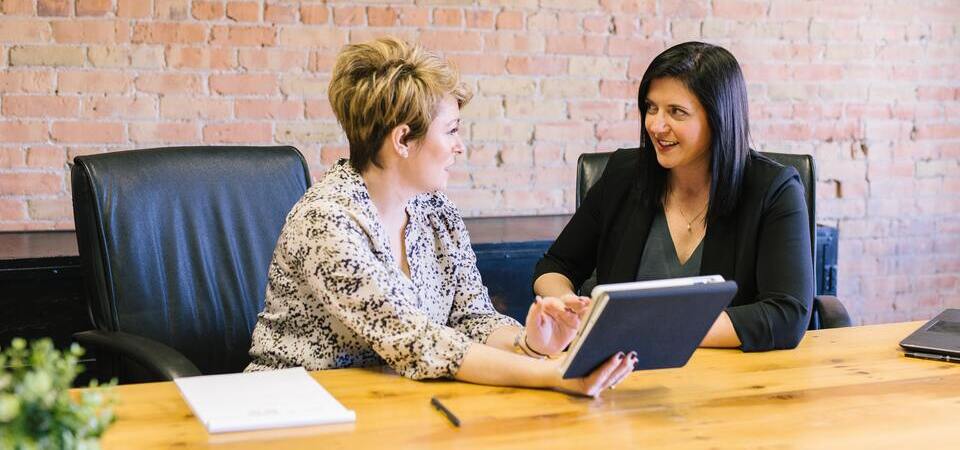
<point x="941" y="335"/>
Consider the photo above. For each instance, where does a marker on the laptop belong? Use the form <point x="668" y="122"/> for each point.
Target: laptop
<point x="664" y="321"/>
<point x="938" y="337"/>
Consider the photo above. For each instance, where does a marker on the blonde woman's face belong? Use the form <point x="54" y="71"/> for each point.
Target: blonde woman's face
<point x="431" y="156"/>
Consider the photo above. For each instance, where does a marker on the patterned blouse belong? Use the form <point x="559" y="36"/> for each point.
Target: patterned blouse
<point x="336" y="296"/>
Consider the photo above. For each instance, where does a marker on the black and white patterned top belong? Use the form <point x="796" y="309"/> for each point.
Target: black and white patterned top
<point x="336" y="297"/>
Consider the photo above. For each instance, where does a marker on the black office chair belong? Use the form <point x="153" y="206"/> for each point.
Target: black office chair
<point x="175" y="244"/>
<point x="828" y="312"/>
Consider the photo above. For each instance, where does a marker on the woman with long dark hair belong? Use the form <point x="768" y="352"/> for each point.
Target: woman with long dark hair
<point x="695" y="199"/>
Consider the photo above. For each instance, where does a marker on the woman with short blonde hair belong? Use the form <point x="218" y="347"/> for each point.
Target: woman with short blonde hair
<point x="374" y="264"/>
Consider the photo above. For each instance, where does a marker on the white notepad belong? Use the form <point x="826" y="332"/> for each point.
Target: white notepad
<point x="260" y="400"/>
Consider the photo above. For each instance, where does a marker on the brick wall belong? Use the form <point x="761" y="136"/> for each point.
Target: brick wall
<point x="870" y="88"/>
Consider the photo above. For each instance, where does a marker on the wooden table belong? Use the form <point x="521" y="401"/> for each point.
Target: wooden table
<point x="843" y="388"/>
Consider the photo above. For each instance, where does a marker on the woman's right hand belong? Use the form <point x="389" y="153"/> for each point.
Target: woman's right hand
<point x="608" y="375"/>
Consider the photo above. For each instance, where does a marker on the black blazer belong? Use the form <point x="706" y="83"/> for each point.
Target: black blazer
<point x="764" y="245"/>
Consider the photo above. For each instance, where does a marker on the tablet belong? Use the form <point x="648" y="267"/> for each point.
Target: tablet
<point x="664" y="321"/>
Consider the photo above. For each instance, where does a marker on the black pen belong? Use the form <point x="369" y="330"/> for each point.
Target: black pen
<point x="446" y="412"/>
<point x="932" y="356"/>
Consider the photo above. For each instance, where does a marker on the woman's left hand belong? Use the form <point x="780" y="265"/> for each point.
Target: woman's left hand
<point x="553" y="322"/>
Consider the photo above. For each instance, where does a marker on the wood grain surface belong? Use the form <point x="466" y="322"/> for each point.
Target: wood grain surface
<point x="842" y="388"/>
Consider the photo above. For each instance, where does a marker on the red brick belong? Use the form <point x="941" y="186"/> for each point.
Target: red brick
<point x="26" y="82"/>
<point x="740" y="9"/>
<point x="509" y="20"/>
<point x="201" y="57"/>
<point x="90" y="32"/>
<point x="269" y="109"/>
<point x="241" y="35"/>
<point x="596" y="110"/>
<point x="243" y="84"/>
<point x="24" y="31"/>
<point x="564" y="131"/>
<point x="87" y="132"/>
<point x="313" y="38"/>
<point x="171" y="9"/>
<point x="12" y="209"/>
<point x="50" y="209"/>
<point x="46" y="157"/>
<point x="444" y="40"/>
<point x="685" y="8"/>
<point x="322" y="61"/>
<point x="12" y="157"/>
<point x="598" y="24"/>
<point x="576" y="44"/>
<point x="139" y="107"/>
<point x="532" y="199"/>
<point x="345" y="16"/>
<point x="90" y="82"/>
<point x="414" y="16"/>
<point x="537" y="65"/>
<point x="237" y="132"/>
<point x="168" y="83"/>
<point x="93" y="7"/>
<point x="164" y="132"/>
<point x="40" y="106"/>
<point x="318" y="109"/>
<point x="514" y="42"/>
<point x="447" y="17"/>
<point x="53" y="7"/>
<point x="177" y="107"/>
<point x="23" y="132"/>
<point x="479" y="64"/>
<point x="272" y="59"/>
<point x="381" y="16"/>
<point x="482" y="19"/>
<point x="243" y="11"/>
<point x="202" y="10"/>
<point x="168" y="33"/>
<point x="314" y="14"/>
<point x="54" y="56"/>
<point x="280" y="14"/>
<point x="30" y="183"/>
<point x="133" y="8"/>
<point x="12" y="7"/>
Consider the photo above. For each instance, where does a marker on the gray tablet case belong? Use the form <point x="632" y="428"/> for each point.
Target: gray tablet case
<point x="663" y="325"/>
<point x="940" y="336"/>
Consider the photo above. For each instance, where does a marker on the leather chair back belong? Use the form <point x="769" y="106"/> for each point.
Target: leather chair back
<point x="176" y="242"/>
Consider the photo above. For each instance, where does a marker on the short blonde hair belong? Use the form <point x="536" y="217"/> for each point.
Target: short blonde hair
<point x="384" y="83"/>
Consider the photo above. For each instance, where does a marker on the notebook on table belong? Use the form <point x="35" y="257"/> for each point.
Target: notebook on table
<point x="663" y="321"/>
<point x="259" y="400"/>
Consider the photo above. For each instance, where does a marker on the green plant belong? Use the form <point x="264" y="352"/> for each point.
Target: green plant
<point x="37" y="411"/>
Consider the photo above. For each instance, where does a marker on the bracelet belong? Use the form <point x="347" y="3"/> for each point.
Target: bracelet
<point x="527" y="345"/>
<point x="520" y="346"/>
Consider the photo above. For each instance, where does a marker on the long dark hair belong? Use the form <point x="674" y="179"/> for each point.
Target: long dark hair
<point x="712" y="74"/>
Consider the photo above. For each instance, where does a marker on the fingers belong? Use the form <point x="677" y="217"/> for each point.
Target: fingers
<point x="557" y="310"/>
<point x="597" y="381"/>
<point x="622" y="371"/>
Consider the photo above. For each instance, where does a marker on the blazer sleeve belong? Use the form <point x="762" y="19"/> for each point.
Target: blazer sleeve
<point x="574" y="253"/>
<point x="778" y="317"/>
<point x="343" y="274"/>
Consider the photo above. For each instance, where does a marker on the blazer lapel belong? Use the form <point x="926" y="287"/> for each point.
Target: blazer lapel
<point x="719" y="248"/>
<point x="634" y="236"/>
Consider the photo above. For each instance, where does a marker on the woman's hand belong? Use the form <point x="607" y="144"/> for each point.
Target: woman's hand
<point x="553" y="322"/>
<point x="607" y="376"/>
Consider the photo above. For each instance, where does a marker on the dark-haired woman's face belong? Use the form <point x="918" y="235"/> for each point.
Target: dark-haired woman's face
<point x="677" y="125"/>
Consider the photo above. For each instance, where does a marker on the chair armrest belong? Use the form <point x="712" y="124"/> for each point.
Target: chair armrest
<point x="158" y="358"/>
<point x="832" y="313"/>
